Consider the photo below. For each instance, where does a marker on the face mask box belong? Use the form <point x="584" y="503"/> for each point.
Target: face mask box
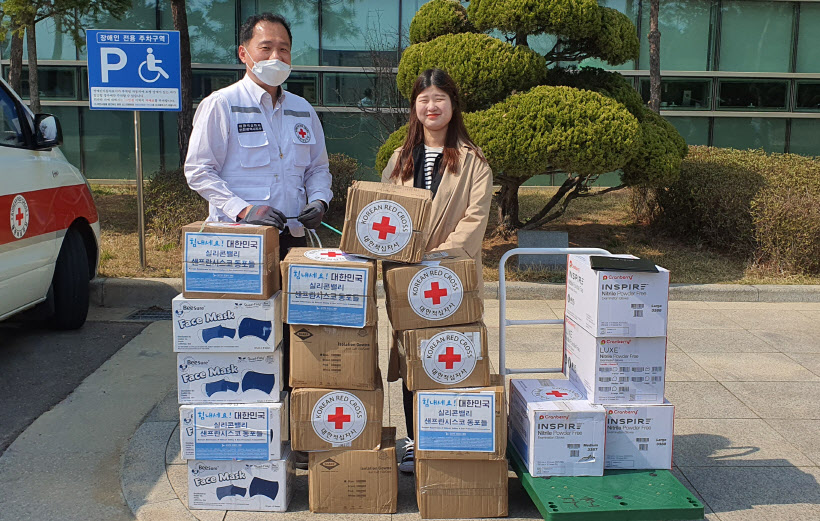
<point x="355" y="481"/>
<point x="207" y="378"/>
<point x="639" y="436"/>
<point x="615" y="370"/>
<point x="463" y="423"/>
<point x="325" y="419"/>
<point x="441" y="291"/>
<point x="616" y="303"/>
<point x="334" y="357"/>
<point x="387" y="222"/>
<point x="554" y="430"/>
<point x="229" y="260"/>
<point x="226" y="325"/>
<point x="264" y="486"/>
<point x="444" y="357"/>
<point x="233" y="431"/>
<point x="325" y="287"/>
<point x="453" y="489"/>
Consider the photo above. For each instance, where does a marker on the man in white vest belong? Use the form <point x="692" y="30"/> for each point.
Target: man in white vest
<point x="257" y="153"/>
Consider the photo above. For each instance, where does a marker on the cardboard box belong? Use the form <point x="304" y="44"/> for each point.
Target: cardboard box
<point x="461" y="488"/>
<point x="207" y="378"/>
<point x="226" y="325"/>
<point x="355" y="481"/>
<point x="444" y="357"/>
<point x="233" y="431"/>
<point x="325" y="287"/>
<point x="462" y="423"/>
<point x="554" y="430"/>
<point x="384" y="221"/>
<point x="615" y="370"/>
<point x="325" y="419"/>
<point x="334" y="357"/>
<point x="616" y="303"/>
<point x="230" y="260"/>
<point x="265" y="486"/>
<point x="639" y="436"/>
<point x="441" y="291"/>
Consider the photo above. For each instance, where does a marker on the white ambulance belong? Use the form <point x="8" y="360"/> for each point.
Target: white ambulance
<point x="49" y="241"/>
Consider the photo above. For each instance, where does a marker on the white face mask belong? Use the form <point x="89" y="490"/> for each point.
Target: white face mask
<point x="271" y="72"/>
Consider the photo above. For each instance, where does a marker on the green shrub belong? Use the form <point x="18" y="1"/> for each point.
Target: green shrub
<point x="342" y="168"/>
<point x="786" y="214"/>
<point x="573" y="18"/>
<point x="170" y="204"/>
<point x="439" y="17"/>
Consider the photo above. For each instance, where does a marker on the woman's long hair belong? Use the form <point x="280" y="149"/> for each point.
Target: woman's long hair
<point x="456" y="131"/>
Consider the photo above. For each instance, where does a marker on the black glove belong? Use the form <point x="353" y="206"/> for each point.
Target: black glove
<point x="265" y="215"/>
<point x="312" y="214"/>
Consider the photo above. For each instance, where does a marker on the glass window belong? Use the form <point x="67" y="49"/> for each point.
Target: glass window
<point x="805" y="137"/>
<point x="630" y="9"/>
<point x="171" y="152"/>
<point x="356" y="134"/>
<point x="685" y="26"/>
<point x="212" y="28"/>
<point x="57" y="83"/>
<point x="206" y="82"/>
<point x="52" y="44"/>
<point x="808" y="96"/>
<point x="303" y="17"/>
<point x="744" y="133"/>
<point x="808" y="38"/>
<point x="680" y="93"/>
<point x="753" y="95"/>
<point x="108" y="144"/>
<point x="756" y="36"/>
<point x="70" y="123"/>
<point x="11" y="129"/>
<point x="409" y="8"/>
<point x="360" y="35"/>
<point x="304" y="84"/>
<point x="694" y="130"/>
<point x="350" y="90"/>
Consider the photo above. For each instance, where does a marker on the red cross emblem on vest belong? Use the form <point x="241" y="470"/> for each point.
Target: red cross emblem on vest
<point x="384" y="228"/>
<point x="339" y="419"/>
<point x="435" y="293"/>
<point x="556" y="393"/>
<point x="449" y="358"/>
<point x="302" y="133"/>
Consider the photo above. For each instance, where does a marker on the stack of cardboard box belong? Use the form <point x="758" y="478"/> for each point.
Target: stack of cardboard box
<point x="337" y="398"/>
<point x="227" y="329"/>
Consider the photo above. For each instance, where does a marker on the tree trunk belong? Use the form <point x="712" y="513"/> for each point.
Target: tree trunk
<point x="33" y="76"/>
<point x="654" y="58"/>
<point x="185" y="118"/>
<point x="16" y="63"/>
<point x="507" y="199"/>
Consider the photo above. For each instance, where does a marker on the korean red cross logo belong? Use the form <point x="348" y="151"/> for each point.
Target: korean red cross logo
<point x="339" y="417"/>
<point x="435" y="293"/>
<point x="384" y="227"/>
<point x="19" y="216"/>
<point x="302" y="133"/>
<point x="450" y="357"/>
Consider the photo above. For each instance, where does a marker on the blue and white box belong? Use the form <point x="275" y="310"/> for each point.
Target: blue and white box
<point x="234" y="431"/>
<point x="227" y="325"/>
<point x="207" y="378"/>
<point x="327" y="287"/>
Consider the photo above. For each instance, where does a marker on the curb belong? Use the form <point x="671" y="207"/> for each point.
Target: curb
<point x="147" y="292"/>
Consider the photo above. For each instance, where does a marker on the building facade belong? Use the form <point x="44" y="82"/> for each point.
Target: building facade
<point x="736" y="73"/>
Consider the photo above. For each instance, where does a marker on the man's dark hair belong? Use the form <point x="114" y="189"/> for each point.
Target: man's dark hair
<point x="246" y="31"/>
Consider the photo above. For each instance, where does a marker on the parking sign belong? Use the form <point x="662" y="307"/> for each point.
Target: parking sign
<point x="133" y="70"/>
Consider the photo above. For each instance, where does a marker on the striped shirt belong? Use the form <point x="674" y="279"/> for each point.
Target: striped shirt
<point x="430" y="156"/>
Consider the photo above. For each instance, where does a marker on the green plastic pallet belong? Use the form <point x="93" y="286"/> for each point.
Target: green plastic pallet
<point x="619" y="495"/>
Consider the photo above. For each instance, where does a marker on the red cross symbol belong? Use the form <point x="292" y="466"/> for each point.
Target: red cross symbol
<point x="302" y="133"/>
<point x="557" y="394"/>
<point x="384" y="227"/>
<point x="19" y="217"/>
<point x="435" y="293"/>
<point x="332" y="254"/>
<point x="340" y="418"/>
<point x="449" y="358"/>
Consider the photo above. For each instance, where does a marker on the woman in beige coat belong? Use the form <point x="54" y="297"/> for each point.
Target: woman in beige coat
<point x="439" y="155"/>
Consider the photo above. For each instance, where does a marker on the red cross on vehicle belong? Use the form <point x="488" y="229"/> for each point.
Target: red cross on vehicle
<point x="435" y="293"/>
<point x="19" y="217"/>
<point x="449" y="358"/>
<point x="384" y="228"/>
<point x="556" y="393"/>
<point x="340" y="418"/>
<point x="332" y="254"/>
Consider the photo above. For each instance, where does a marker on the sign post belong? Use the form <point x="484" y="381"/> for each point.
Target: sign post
<point x="134" y="70"/>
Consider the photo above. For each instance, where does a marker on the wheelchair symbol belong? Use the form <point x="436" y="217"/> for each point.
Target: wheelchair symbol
<point x="153" y="66"/>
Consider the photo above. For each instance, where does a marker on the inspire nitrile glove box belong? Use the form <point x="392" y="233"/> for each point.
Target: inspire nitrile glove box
<point x="229" y="377"/>
<point x="226" y="325"/>
<point x="233" y="431"/>
<point x="639" y="436"/>
<point x="241" y="485"/>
